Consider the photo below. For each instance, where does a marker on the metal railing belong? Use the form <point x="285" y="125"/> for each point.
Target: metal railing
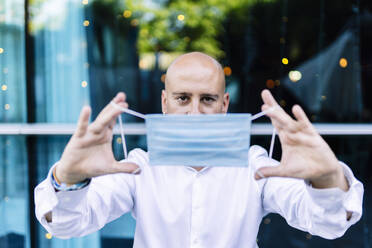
<point x="140" y="129"/>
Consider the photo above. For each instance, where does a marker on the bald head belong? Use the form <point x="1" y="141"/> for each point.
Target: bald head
<point x="195" y="84"/>
<point x="195" y="67"/>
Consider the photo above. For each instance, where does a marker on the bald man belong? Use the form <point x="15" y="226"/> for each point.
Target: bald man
<point x="198" y="206"/>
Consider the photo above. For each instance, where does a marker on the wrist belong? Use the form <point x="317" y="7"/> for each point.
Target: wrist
<point x="60" y="186"/>
<point x="62" y="177"/>
<point x="334" y="179"/>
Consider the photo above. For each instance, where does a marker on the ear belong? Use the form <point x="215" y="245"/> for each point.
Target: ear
<point x="164" y="102"/>
<point x="226" y="101"/>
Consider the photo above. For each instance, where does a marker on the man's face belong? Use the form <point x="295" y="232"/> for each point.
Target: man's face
<point x="195" y="85"/>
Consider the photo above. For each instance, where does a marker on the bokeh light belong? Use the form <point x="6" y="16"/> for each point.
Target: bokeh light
<point x="162" y="78"/>
<point x="227" y="70"/>
<point x="343" y="62"/>
<point x="285" y="61"/>
<point x="142" y="64"/>
<point x="295" y="76"/>
<point x="134" y="22"/>
<point x="270" y="83"/>
<point x="181" y="17"/>
<point x="127" y="13"/>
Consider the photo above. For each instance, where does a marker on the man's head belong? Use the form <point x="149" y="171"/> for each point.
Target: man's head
<point x="194" y="84"/>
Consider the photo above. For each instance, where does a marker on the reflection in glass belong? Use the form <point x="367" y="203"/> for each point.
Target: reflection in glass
<point x="316" y="53"/>
<point x="14" y="215"/>
<point x="327" y="84"/>
<point x="61" y="85"/>
<point x="14" y="205"/>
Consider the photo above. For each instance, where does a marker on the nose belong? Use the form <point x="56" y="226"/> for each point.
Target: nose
<point x="195" y="108"/>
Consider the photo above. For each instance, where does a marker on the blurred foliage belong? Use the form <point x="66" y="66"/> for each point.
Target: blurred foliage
<point x="181" y="26"/>
<point x="164" y="25"/>
<point x="178" y="25"/>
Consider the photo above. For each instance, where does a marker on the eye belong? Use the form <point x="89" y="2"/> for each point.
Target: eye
<point x="182" y="99"/>
<point x="208" y="99"/>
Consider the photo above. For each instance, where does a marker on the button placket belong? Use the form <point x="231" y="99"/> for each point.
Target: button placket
<point x="196" y="211"/>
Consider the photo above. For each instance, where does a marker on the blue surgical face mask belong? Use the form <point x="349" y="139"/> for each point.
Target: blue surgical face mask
<point x="197" y="140"/>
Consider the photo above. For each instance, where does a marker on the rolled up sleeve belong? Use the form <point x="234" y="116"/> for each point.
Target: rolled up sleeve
<point x="321" y="212"/>
<point x="332" y="205"/>
<point x="80" y="212"/>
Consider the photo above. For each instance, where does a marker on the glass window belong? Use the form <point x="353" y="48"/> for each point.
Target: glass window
<point x="14" y="190"/>
<point x="14" y="187"/>
<point x="82" y="52"/>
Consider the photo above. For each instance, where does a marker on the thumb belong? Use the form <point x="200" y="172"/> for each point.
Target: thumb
<point x="271" y="171"/>
<point x="126" y="167"/>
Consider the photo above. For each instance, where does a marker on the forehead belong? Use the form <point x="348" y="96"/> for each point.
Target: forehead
<point x="194" y="75"/>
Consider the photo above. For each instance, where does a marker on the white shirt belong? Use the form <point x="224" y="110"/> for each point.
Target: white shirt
<point x="177" y="206"/>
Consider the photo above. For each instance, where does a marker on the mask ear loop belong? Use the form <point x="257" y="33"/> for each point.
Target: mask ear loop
<point x="123" y="138"/>
<point x="260" y="114"/>
<point x="272" y="143"/>
<point x="128" y="111"/>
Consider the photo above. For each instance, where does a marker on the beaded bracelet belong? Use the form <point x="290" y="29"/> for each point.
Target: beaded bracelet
<point x="68" y="187"/>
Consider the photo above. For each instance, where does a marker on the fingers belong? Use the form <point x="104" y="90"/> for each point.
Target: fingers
<point x="125" y="167"/>
<point x="120" y="97"/>
<point x="302" y="118"/>
<point x="112" y="124"/>
<point x="279" y="118"/>
<point x="278" y="114"/>
<point x="300" y="115"/>
<point x="108" y="115"/>
<point x="272" y="171"/>
<point x="268" y="98"/>
<point x="83" y="121"/>
<point x="305" y="123"/>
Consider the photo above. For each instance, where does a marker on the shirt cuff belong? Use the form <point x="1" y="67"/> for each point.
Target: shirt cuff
<point x="61" y="199"/>
<point x="331" y="198"/>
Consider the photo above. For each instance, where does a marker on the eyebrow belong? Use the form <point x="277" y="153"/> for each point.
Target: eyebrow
<point x="181" y="93"/>
<point x="189" y="94"/>
<point x="210" y="95"/>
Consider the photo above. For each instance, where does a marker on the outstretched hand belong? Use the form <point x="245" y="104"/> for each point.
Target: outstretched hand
<point x="89" y="152"/>
<point x="304" y="152"/>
